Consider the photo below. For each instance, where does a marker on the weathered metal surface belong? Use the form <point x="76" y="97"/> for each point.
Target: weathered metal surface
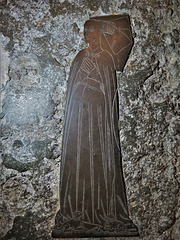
<point x="92" y="192"/>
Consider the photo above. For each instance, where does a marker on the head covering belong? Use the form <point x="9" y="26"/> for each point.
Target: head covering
<point x="116" y="37"/>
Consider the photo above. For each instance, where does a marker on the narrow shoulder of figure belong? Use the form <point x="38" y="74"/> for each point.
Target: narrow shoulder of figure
<point x="78" y="59"/>
<point x="82" y="53"/>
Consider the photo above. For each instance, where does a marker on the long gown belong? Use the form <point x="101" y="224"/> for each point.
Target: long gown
<point x="92" y="191"/>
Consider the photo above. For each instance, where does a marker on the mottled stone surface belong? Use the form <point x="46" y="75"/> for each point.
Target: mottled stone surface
<point x="39" y="40"/>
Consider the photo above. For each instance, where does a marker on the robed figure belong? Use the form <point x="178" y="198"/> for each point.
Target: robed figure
<point x="92" y="192"/>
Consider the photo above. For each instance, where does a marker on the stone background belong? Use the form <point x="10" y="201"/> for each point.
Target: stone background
<point x="39" y="40"/>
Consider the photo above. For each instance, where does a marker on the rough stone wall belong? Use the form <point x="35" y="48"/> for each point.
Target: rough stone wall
<point x="39" y="40"/>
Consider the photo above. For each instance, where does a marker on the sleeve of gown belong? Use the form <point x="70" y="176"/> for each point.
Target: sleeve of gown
<point x="74" y="72"/>
<point x="71" y="80"/>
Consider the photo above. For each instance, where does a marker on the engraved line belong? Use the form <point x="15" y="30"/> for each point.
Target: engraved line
<point x="93" y="79"/>
<point x="98" y="193"/>
<point x="116" y="139"/>
<point x="103" y="208"/>
<point x="129" y="38"/>
<point x="89" y="64"/>
<point x="111" y="139"/>
<point x="127" y="218"/>
<point x="69" y="199"/>
<point x="91" y="157"/>
<point x="115" y="107"/>
<point x="122" y="204"/>
<point x="101" y="82"/>
<point x="66" y="134"/>
<point x="118" y="18"/>
<point x="107" y="78"/>
<point x="111" y="157"/>
<point x="83" y="199"/>
<point x="97" y="217"/>
<point x="113" y="74"/>
<point x="105" y="130"/>
<point x="111" y="204"/>
<point x="108" y="159"/>
<point x="120" y="49"/>
<point x="87" y="216"/>
<point x="113" y="182"/>
<point x="104" y="158"/>
<point x="83" y="67"/>
<point x="124" y="48"/>
<point x="99" y="113"/>
<point x="80" y="115"/>
<point x="66" y="191"/>
<point x="114" y="193"/>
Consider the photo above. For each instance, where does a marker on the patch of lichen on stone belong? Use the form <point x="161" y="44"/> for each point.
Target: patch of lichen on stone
<point x="42" y="149"/>
<point x="133" y="83"/>
<point x="61" y="8"/>
<point x="11" y="163"/>
<point x="71" y="7"/>
<point x="25" y="227"/>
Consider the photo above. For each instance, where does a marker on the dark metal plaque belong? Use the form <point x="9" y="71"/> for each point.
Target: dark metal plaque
<point x="92" y="192"/>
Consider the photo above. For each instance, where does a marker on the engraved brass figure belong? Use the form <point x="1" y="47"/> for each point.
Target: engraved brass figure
<point x="92" y="193"/>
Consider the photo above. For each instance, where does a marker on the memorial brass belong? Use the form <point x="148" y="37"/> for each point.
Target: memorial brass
<point x="92" y="192"/>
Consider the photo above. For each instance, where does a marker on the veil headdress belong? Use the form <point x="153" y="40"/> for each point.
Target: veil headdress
<point x="115" y="37"/>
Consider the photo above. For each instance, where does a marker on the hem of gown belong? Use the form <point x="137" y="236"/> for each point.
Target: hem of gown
<point x="133" y="232"/>
<point x="79" y="234"/>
